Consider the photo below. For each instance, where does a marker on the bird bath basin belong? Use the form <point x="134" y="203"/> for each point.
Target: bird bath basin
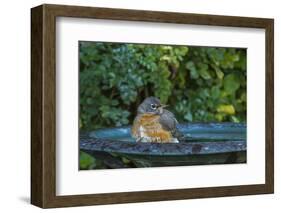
<point x="204" y="143"/>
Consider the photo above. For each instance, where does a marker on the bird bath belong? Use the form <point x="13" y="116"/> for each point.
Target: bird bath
<point x="204" y="143"/>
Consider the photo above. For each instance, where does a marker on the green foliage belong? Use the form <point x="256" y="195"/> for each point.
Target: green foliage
<point x="198" y="83"/>
<point x="86" y="161"/>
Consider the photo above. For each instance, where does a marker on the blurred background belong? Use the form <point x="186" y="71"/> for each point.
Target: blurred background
<point x="200" y="84"/>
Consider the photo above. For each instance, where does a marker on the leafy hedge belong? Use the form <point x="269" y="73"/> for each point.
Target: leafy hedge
<point x="198" y="83"/>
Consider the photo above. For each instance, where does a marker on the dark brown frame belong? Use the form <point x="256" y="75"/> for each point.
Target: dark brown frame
<point x="43" y="105"/>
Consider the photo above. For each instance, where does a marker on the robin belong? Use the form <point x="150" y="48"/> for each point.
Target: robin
<point x="153" y="123"/>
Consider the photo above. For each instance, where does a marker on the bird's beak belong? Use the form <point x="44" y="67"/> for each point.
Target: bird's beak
<point x="161" y="108"/>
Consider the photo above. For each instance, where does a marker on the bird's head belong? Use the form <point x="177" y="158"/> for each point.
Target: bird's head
<point x="151" y="105"/>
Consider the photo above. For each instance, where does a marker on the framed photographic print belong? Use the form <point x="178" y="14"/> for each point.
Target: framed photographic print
<point x="136" y="106"/>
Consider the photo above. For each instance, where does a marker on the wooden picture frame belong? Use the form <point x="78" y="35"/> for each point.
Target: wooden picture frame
<point x="43" y="105"/>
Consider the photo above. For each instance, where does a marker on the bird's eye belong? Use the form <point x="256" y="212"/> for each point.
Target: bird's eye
<point x="153" y="106"/>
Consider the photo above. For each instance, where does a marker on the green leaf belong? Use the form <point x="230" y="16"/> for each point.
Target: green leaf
<point x="234" y="119"/>
<point x="215" y="92"/>
<point x="86" y="161"/>
<point x="227" y="109"/>
<point x="90" y="100"/>
<point x="231" y="83"/>
<point x="244" y="97"/>
<point x="193" y="72"/>
<point x="188" y="116"/>
<point x="218" y="71"/>
<point x="203" y="71"/>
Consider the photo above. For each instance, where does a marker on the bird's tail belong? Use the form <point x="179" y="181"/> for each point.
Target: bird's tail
<point x="179" y="135"/>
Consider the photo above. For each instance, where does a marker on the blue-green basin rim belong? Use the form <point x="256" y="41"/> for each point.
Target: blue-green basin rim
<point x="192" y="132"/>
<point x="201" y="138"/>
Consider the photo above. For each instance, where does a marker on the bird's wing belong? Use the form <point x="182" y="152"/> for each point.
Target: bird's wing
<point x="169" y="123"/>
<point x="168" y="120"/>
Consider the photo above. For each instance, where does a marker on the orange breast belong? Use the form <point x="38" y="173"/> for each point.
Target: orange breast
<point x="150" y="126"/>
